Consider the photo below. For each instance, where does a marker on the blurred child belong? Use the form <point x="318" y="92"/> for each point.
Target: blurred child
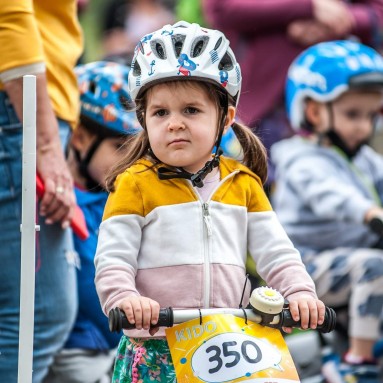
<point x="179" y="220"/>
<point x="95" y="146"/>
<point x="330" y="185"/>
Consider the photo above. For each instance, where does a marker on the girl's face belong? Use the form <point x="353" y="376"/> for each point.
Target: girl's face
<point x="181" y="121"/>
<point x="354" y="114"/>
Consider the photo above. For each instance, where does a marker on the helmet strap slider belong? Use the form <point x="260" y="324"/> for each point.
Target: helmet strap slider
<point x="196" y="179"/>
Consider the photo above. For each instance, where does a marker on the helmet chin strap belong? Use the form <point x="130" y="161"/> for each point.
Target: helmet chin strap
<point x="83" y="163"/>
<point x="337" y="140"/>
<point x="197" y="178"/>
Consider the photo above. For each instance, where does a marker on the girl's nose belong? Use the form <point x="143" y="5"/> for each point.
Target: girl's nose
<point x="176" y="123"/>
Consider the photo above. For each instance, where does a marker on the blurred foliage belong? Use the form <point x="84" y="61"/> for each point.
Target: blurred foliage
<point x="91" y="21"/>
<point x="191" y="11"/>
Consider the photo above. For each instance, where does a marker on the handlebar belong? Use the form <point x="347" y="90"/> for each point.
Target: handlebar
<point x="168" y="317"/>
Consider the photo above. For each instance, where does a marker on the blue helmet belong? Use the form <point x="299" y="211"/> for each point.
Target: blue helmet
<point x="104" y="99"/>
<point x="326" y="70"/>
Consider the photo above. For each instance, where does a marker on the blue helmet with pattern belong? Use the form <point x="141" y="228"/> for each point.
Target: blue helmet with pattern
<point x="326" y="70"/>
<point x="105" y="99"/>
<point x="185" y="51"/>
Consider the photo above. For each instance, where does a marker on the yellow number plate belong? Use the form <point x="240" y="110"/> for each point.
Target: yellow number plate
<point x="226" y="349"/>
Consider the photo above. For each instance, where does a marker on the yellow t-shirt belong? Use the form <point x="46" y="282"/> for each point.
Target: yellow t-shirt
<point x="44" y="31"/>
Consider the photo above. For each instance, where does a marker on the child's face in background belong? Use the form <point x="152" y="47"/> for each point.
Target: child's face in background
<point x="181" y="121"/>
<point x="354" y="114"/>
<point x="106" y="155"/>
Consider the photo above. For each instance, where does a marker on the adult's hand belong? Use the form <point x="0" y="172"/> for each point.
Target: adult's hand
<point x="309" y="32"/>
<point x="335" y="15"/>
<point x="58" y="202"/>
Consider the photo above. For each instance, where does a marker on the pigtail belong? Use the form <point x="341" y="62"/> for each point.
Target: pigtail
<point x="254" y="152"/>
<point x="136" y="147"/>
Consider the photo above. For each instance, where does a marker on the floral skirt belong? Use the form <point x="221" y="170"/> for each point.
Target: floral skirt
<point x="143" y="361"/>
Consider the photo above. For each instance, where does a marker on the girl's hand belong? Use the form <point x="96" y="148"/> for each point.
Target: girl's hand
<point x="142" y="312"/>
<point x="308" y="310"/>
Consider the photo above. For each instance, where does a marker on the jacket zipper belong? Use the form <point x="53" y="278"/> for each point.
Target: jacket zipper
<point x="207" y="218"/>
<point x="209" y="230"/>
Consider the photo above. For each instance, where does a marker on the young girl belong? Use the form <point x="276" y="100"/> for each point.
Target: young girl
<point x="330" y="183"/>
<point x="179" y="221"/>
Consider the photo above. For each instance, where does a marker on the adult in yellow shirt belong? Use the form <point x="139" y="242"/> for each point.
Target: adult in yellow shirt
<point x="40" y="37"/>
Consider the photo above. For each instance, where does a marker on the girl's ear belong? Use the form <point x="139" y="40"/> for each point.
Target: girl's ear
<point x="231" y="112"/>
<point x="313" y="112"/>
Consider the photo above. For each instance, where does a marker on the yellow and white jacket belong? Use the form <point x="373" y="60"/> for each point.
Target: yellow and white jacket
<point x="160" y="240"/>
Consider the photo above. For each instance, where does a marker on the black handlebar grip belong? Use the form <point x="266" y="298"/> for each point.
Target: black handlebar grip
<point x="118" y="320"/>
<point x="327" y="326"/>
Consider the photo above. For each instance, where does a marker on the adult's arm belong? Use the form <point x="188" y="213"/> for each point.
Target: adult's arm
<point x="246" y="16"/>
<point x="22" y="53"/>
<point x="249" y="16"/>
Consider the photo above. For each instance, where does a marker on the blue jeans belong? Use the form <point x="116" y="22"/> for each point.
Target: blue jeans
<point x="55" y="294"/>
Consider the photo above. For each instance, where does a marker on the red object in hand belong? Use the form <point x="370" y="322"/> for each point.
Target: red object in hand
<point x="78" y="223"/>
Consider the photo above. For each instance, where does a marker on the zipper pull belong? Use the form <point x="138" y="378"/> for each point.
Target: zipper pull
<point x="207" y="218"/>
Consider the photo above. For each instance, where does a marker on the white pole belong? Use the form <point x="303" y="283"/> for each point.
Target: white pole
<point x="28" y="232"/>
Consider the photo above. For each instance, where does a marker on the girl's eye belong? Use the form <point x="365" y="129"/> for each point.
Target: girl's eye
<point x="191" y="110"/>
<point x="160" y="113"/>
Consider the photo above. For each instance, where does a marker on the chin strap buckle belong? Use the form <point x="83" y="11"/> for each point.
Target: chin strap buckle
<point x="196" y="178"/>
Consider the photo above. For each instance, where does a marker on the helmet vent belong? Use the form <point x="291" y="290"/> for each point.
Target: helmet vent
<point x="226" y="63"/>
<point x="136" y="68"/>
<point x="199" y="46"/>
<point x="158" y="49"/>
<point x="126" y="104"/>
<point x="92" y="87"/>
<point x="218" y="43"/>
<point x="178" y="43"/>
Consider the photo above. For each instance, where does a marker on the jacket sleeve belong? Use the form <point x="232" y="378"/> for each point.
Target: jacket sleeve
<point x="255" y="15"/>
<point x="118" y="244"/>
<point x="368" y="15"/>
<point x="20" y="39"/>
<point x="249" y="16"/>
<point x="277" y="260"/>
<point x="324" y="188"/>
<point x="375" y="170"/>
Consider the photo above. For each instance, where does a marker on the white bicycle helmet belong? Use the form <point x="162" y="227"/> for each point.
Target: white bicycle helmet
<point x="184" y="51"/>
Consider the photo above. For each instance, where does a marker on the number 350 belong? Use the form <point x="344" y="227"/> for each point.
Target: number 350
<point x="216" y="357"/>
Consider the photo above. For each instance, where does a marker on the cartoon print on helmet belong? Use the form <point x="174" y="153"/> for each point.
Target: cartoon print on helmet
<point x="186" y="65"/>
<point x="146" y="38"/>
<point x="185" y="50"/>
<point x="223" y="77"/>
<point x="104" y="97"/>
<point x="326" y="70"/>
<point x="152" y="64"/>
<point x="168" y="33"/>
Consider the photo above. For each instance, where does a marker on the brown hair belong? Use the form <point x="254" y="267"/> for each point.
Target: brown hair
<point x="138" y="146"/>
